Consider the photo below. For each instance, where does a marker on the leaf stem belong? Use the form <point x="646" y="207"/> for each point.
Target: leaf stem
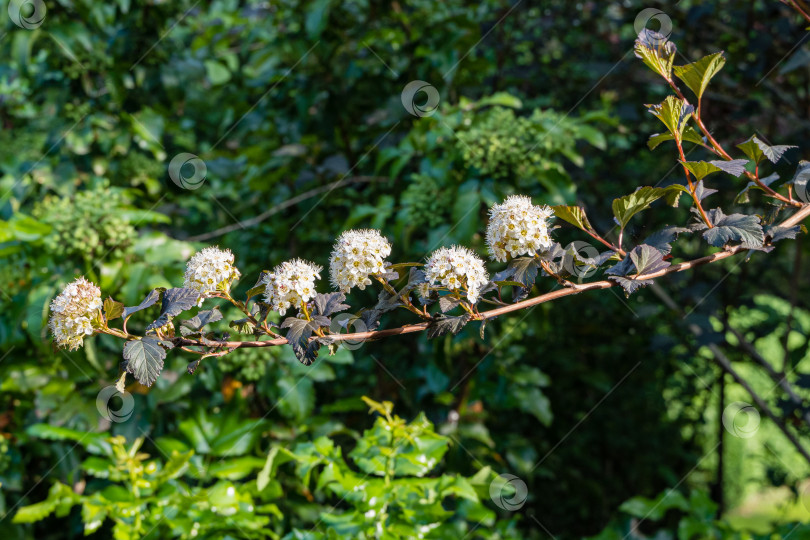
<point x="404" y="297"/>
<point x="720" y="151"/>
<point x="691" y="185"/>
<point x="593" y="234"/>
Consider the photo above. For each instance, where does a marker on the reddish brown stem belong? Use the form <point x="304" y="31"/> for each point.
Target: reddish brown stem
<point x="795" y="5"/>
<point x="593" y="234"/>
<point x="720" y="151"/>
<point x="793" y="220"/>
<point x="691" y="185"/>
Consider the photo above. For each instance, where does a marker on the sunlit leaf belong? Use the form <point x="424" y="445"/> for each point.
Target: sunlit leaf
<point x="698" y="74"/>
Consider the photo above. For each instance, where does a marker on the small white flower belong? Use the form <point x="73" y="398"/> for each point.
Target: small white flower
<point x="290" y="284"/>
<point x="210" y="270"/>
<point x="356" y="255"/>
<point x="457" y="268"/>
<point x="72" y="313"/>
<point x="517" y="227"/>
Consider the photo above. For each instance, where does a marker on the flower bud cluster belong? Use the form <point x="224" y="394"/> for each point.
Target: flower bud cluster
<point x="517" y="227"/>
<point x="290" y="284"/>
<point x="72" y="313"/>
<point x="357" y="255"/>
<point x="457" y="268"/>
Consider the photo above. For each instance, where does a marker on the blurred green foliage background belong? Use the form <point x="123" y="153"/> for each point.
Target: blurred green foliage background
<point x="598" y="403"/>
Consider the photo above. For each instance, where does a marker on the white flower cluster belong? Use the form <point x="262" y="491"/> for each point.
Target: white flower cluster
<point x="356" y="255"/>
<point x="210" y="270"/>
<point x="517" y="227"/>
<point x="72" y="313"/>
<point x="291" y="283"/>
<point x="455" y="268"/>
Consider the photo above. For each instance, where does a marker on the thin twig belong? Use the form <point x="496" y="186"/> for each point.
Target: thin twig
<point x="780" y="379"/>
<point x="720" y="151"/>
<point x="725" y="363"/>
<point x="797" y="7"/>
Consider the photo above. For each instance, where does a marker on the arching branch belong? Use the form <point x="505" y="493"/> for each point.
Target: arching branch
<point x="793" y="220"/>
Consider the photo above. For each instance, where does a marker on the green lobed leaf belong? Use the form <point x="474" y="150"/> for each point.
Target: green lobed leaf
<point x="145" y="359"/>
<point x="674" y="113"/>
<point x="575" y="215"/>
<point x="674" y="192"/>
<point x="112" y="309"/>
<point x="751" y="149"/>
<point x="700" y="169"/>
<point x="689" y="134"/>
<point x="260" y="287"/>
<point x="628" y="206"/>
<point x="243" y="326"/>
<point x="697" y="75"/>
<point x="655" y="51"/>
<point x="757" y="150"/>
